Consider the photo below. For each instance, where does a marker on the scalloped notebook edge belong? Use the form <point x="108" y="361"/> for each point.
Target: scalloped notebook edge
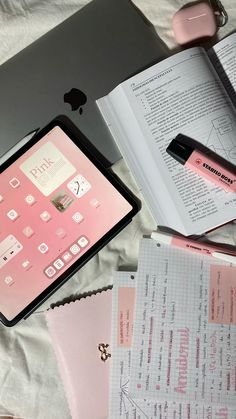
<point x="77" y="328"/>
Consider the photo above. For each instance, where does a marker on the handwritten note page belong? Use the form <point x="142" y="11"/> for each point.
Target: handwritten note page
<point x="179" y="352"/>
<point x="122" y="404"/>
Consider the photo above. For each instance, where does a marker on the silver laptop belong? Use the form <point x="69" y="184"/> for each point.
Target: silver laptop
<point x="75" y="63"/>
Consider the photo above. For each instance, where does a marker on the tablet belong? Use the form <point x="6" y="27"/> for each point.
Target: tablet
<point x="58" y="207"/>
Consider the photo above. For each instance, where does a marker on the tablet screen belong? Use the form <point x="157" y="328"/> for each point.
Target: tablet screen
<point x="55" y="205"/>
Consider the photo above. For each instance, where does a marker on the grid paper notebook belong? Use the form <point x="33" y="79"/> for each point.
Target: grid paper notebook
<point x="122" y="404"/>
<point x="184" y="342"/>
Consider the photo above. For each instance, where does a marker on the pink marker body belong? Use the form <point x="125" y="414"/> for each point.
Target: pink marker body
<point x="195" y="246"/>
<point x="202" y="164"/>
<point x="212" y="171"/>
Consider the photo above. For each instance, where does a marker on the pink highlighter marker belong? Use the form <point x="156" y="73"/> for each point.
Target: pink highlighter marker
<point x="208" y="249"/>
<point x="204" y="166"/>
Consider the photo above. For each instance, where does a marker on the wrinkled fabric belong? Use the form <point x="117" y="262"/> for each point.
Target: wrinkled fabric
<point x="30" y="385"/>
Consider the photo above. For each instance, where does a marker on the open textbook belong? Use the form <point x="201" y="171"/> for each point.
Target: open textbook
<point x="193" y="93"/>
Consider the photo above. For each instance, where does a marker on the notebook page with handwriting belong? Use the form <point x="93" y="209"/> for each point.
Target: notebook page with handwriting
<point x="121" y="402"/>
<point x="184" y="342"/>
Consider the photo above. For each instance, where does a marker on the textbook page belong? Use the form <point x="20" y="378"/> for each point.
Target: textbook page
<point x="223" y="56"/>
<point x="139" y="171"/>
<point x="121" y="403"/>
<point x="178" y="95"/>
<point x="184" y="342"/>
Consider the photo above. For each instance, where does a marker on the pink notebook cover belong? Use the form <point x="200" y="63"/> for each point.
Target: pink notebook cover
<point x="77" y="329"/>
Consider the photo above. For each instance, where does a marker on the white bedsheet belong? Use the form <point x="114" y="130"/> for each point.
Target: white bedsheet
<point x="30" y="386"/>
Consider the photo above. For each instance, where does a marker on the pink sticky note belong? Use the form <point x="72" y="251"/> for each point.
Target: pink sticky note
<point x="222" y="295"/>
<point x="126" y="301"/>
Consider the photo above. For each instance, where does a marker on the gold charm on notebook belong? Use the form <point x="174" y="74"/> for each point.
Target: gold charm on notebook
<point x="102" y="347"/>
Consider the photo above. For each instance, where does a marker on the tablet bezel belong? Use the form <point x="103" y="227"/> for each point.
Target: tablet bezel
<point x="82" y="143"/>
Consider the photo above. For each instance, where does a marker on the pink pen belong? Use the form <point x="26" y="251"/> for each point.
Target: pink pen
<point x="195" y="246"/>
<point x="203" y="165"/>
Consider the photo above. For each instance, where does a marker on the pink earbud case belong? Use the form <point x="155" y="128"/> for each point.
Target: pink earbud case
<point x="194" y="22"/>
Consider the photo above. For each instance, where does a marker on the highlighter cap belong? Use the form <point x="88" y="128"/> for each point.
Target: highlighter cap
<point x="179" y="151"/>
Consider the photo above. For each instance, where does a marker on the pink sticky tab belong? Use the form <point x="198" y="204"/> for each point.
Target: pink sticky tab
<point x="126" y="302"/>
<point x="222" y="295"/>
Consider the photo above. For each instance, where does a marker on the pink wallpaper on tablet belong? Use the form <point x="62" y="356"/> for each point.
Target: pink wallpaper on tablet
<point x="54" y="205"/>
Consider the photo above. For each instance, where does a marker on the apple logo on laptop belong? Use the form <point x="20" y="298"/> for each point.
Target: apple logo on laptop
<point x="76" y="98"/>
